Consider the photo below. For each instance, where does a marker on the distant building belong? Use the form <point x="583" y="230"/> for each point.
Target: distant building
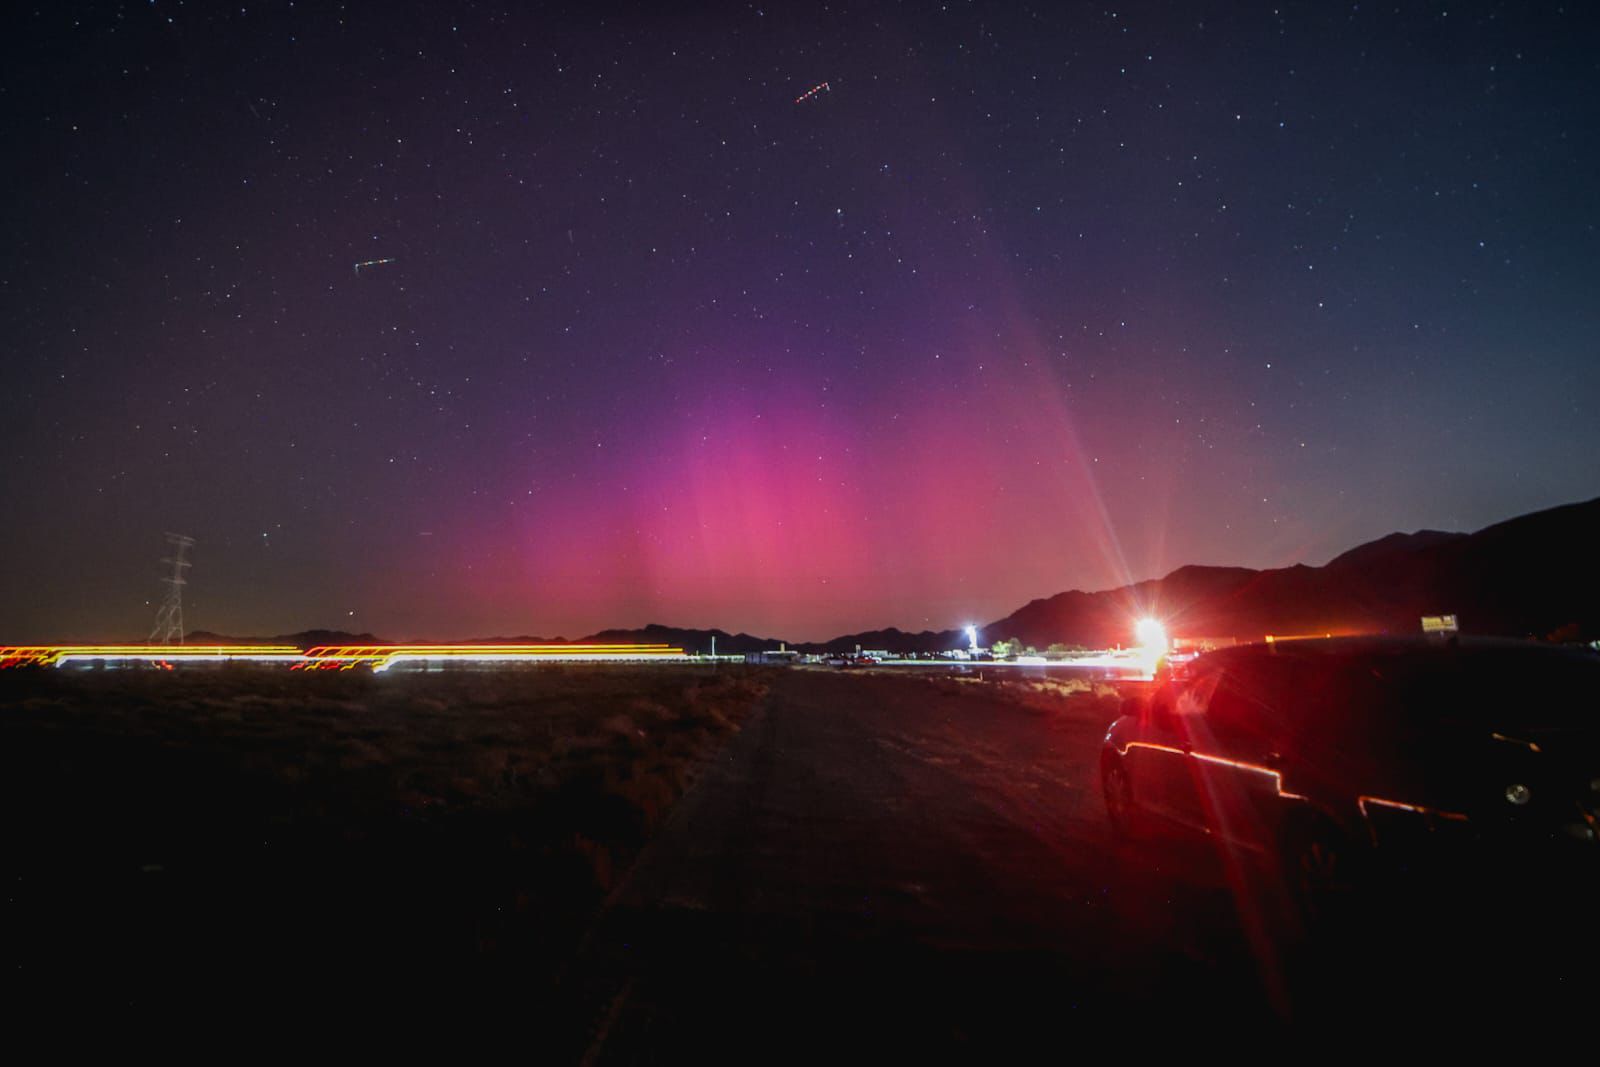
<point x="783" y="654"/>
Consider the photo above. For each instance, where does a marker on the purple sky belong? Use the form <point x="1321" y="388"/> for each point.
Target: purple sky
<point x="1020" y="303"/>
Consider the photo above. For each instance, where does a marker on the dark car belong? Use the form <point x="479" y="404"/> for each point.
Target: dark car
<point x="1333" y="758"/>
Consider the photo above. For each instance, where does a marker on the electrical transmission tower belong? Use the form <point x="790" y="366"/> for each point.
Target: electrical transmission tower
<point x="169" y="620"/>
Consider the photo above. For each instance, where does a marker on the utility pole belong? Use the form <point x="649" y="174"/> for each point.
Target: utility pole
<point x="169" y="620"/>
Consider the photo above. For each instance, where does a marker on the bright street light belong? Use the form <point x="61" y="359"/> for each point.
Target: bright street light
<point x="1150" y="636"/>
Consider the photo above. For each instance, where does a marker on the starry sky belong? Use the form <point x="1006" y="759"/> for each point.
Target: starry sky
<point x="1027" y="298"/>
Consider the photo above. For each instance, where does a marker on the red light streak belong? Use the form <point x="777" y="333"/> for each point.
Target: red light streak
<point x="1254" y="768"/>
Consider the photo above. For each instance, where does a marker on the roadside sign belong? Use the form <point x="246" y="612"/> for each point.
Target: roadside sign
<point x="1439" y="624"/>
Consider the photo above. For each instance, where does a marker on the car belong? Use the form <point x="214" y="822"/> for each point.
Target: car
<point x="1333" y="759"/>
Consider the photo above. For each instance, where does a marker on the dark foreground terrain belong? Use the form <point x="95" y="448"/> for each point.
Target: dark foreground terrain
<point x="871" y="866"/>
<point x="274" y="842"/>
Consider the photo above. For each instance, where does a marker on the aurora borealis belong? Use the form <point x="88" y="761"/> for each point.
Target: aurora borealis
<point x="640" y="329"/>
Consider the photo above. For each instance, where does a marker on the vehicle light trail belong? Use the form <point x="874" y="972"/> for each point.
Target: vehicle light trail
<point x="336" y="657"/>
<point x="63" y="655"/>
<point x="382" y="657"/>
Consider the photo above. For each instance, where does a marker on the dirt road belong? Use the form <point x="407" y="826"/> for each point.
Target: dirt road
<point x="900" y="864"/>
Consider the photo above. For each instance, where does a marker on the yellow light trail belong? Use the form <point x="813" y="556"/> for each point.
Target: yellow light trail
<point x="335" y="657"/>
<point x="382" y="657"/>
<point x="56" y="655"/>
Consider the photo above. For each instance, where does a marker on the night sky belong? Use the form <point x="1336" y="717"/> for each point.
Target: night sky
<point x="1022" y="301"/>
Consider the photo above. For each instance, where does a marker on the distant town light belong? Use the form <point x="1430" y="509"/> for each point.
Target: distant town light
<point x="1150" y="644"/>
<point x="1150" y="636"/>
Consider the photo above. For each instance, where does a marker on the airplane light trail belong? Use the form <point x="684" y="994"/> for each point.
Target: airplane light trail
<point x="372" y="263"/>
<point x="820" y="87"/>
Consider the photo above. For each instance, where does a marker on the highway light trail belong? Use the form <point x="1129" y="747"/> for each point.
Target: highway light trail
<point x="68" y="655"/>
<point x="383" y="657"/>
<point x="335" y="657"/>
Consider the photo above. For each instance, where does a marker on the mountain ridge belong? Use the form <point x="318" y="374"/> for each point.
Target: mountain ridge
<point x="1531" y="575"/>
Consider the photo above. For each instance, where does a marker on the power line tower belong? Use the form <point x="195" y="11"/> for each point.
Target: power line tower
<point x="169" y="620"/>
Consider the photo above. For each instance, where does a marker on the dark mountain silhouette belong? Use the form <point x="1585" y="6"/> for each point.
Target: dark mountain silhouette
<point x="892" y="639"/>
<point x="1395" y="546"/>
<point x="521" y="639"/>
<point x="1526" y="577"/>
<point x="688" y="640"/>
<point x="302" y="639"/>
<point x="735" y="644"/>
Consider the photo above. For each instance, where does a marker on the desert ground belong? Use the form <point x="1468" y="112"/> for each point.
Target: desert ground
<point x="247" y="835"/>
<point x="658" y="864"/>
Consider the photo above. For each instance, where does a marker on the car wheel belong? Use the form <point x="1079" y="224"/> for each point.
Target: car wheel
<point x="1117" y="789"/>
